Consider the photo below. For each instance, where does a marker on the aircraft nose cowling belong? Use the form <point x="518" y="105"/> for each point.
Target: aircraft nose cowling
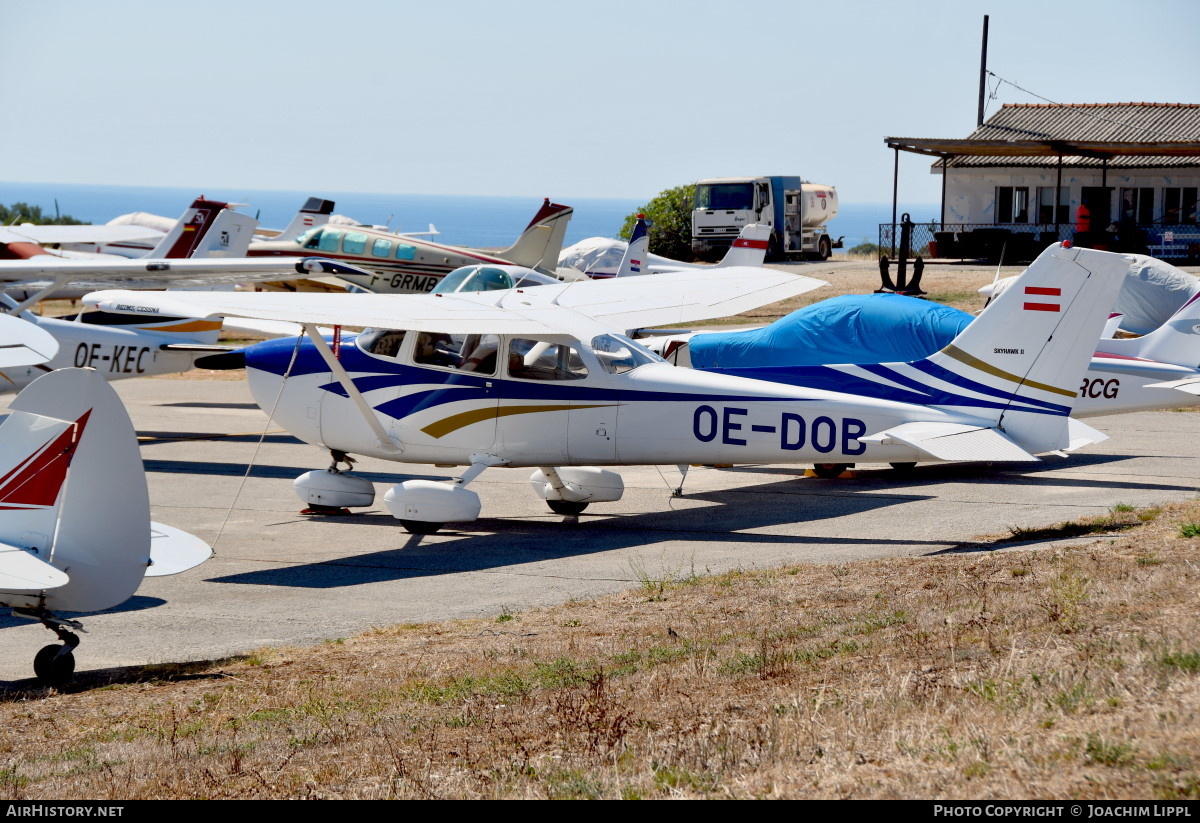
<point x="297" y="404"/>
<point x="276" y="356"/>
<point x="224" y="361"/>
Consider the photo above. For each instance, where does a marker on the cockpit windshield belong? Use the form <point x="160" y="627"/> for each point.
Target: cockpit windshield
<point x="474" y="278"/>
<point x="725" y="196"/>
<point x="321" y="239"/>
<point x="618" y="354"/>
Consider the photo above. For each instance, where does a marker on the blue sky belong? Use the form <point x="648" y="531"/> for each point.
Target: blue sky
<point x="532" y="98"/>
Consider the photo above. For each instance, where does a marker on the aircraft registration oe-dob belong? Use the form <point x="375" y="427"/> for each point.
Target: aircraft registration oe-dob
<point x="75" y="528"/>
<point x="543" y="377"/>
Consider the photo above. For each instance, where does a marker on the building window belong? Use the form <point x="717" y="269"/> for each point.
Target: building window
<point x="1179" y="205"/>
<point x="1137" y="205"/>
<point x="1046" y="205"/>
<point x="1012" y="204"/>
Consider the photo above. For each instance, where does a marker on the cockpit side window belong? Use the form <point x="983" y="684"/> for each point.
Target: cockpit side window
<point x="325" y="239"/>
<point x="539" y="360"/>
<point x="381" y="342"/>
<point x="474" y="353"/>
<point x="309" y="239"/>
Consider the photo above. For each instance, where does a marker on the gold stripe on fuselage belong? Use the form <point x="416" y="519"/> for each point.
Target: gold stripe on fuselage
<point x="457" y="421"/>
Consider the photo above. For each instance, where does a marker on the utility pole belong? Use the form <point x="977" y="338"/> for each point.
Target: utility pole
<point x="982" y="71"/>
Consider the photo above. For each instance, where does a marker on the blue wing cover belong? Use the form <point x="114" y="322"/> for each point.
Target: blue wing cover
<point x="873" y="328"/>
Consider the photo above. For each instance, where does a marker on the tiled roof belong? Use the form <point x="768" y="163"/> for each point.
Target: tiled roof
<point x="1124" y="122"/>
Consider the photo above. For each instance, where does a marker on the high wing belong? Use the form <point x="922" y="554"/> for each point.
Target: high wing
<point x="43" y="271"/>
<point x="676" y="297"/>
<point x="50" y="234"/>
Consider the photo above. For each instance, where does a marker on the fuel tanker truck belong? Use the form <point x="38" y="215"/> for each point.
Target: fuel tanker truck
<point x="796" y="211"/>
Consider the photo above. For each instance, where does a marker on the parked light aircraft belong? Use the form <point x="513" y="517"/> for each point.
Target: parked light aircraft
<point x="75" y="528"/>
<point x="1125" y="375"/>
<point x="601" y="257"/>
<point x="402" y="264"/>
<point x="537" y="377"/>
<point x="122" y="346"/>
<point x="207" y="228"/>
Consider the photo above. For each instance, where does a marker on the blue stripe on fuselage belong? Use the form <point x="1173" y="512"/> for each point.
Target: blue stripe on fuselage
<point x="371" y="374"/>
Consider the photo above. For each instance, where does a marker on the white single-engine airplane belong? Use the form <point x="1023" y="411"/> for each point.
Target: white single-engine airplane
<point x="600" y="257"/>
<point x="538" y="377"/>
<point x="75" y="529"/>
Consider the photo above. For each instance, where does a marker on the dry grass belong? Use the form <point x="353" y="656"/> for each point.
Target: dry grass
<point x="1064" y="672"/>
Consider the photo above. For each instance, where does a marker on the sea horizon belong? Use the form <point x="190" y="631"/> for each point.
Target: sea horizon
<point x="482" y="221"/>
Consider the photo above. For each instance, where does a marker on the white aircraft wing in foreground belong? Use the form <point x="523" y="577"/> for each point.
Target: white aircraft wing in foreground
<point x="536" y="377"/>
<point x="675" y="297"/>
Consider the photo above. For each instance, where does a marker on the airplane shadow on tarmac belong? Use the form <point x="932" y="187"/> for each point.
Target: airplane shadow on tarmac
<point x="136" y="603"/>
<point x="493" y="543"/>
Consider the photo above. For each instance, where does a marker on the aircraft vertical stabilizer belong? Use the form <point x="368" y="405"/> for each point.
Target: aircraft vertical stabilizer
<point x="74" y="483"/>
<point x="1021" y="361"/>
<point x="633" y="262"/>
<point x="315" y="212"/>
<point x="540" y="244"/>
<point x="750" y="248"/>
<point x="188" y="231"/>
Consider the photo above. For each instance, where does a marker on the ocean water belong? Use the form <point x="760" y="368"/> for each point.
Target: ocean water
<point x="483" y="222"/>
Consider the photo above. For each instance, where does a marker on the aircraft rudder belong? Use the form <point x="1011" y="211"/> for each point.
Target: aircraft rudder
<point x="540" y="244"/>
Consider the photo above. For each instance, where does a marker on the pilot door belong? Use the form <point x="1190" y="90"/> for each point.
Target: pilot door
<point x="447" y="403"/>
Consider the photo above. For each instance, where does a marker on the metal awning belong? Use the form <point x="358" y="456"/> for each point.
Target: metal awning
<point x="945" y="148"/>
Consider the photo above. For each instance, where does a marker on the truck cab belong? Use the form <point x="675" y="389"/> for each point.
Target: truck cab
<point x="795" y="210"/>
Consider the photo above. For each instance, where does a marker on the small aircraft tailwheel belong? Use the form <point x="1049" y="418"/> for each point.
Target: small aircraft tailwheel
<point x="566" y="506"/>
<point x="903" y="468"/>
<point x="420" y="526"/>
<point x="829" y="471"/>
<point x="54" y="665"/>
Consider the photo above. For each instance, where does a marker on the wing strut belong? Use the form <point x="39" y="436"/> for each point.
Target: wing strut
<point x="386" y="441"/>
<point x="60" y="280"/>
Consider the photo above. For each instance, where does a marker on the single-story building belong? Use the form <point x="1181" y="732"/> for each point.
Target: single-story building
<point x="1123" y="176"/>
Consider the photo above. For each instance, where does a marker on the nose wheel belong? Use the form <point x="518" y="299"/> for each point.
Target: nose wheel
<point x="566" y="506"/>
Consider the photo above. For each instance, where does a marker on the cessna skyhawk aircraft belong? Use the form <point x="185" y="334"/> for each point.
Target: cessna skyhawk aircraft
<point x="540" y="377"/>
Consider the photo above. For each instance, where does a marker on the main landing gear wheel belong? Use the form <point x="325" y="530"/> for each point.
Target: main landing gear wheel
<point x="903" y="468"/>
<point x="54" y="665"/>
<point x="829" y="471"/>
<point x="566" y="506"/>
<point x="420" y="526"/>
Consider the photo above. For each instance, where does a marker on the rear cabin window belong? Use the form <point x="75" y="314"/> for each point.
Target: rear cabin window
<point x="405" y="252"/>
<point x="381" y="248"/>
<point x="355" y="242"/>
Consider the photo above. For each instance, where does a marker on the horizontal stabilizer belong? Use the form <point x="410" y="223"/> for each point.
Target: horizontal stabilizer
<point x="24" y="344"/>
<point x="21" y="571"/>
<point x="173" y="551"/>
<point x="953" y="441"/>
<point x="1189" y="385"/>
<point x="1080" y="434"/>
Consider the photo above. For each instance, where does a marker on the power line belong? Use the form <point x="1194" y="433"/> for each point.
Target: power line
<point x="1084" y="112"/>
